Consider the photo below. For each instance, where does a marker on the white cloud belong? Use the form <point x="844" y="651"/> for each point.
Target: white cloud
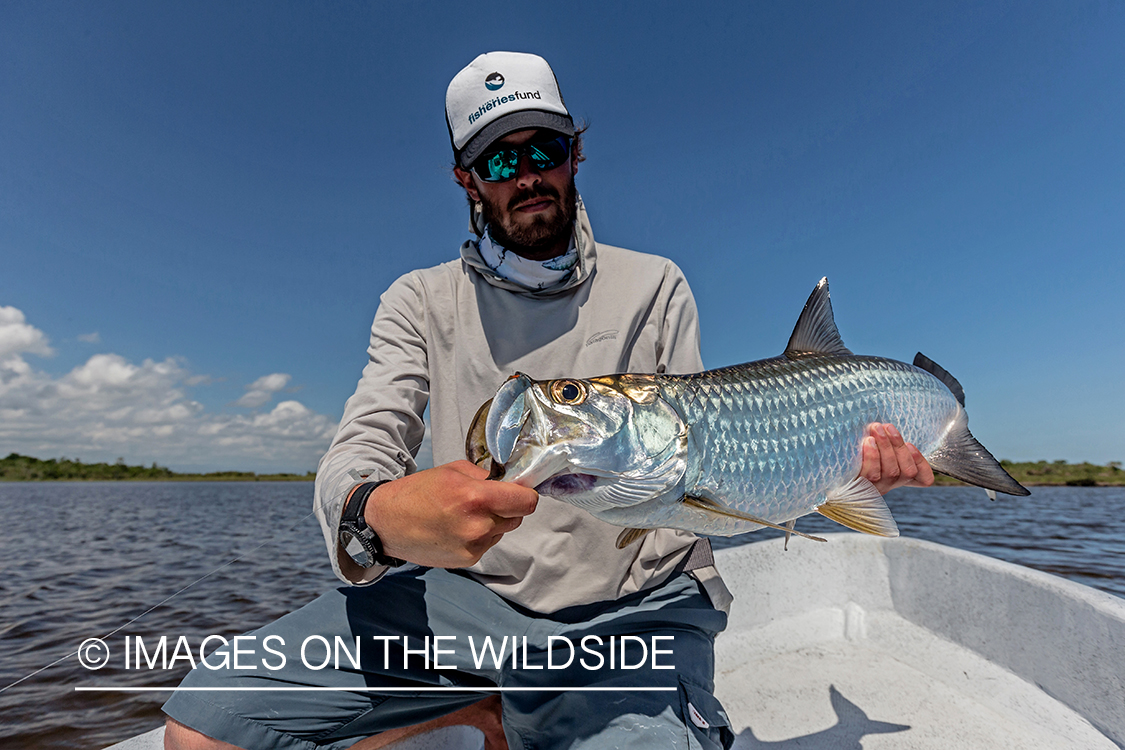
<point x="261" y="390"/>
<point x="18" y="338"/>
<point x="90" y="338"/>
<point x="109" y="407"/>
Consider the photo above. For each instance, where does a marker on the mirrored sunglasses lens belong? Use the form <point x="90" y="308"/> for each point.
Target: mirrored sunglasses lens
<point x="503" y="165"/>
<point x="550" y="154"/>
<point x="499" y="166"/>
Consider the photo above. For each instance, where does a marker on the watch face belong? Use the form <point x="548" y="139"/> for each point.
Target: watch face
<point x="357" y="550"/>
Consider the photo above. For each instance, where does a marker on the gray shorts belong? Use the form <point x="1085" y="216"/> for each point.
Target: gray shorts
<point x="430" y="628"/>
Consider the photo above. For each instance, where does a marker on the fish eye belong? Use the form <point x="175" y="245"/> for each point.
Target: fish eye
<point x="568" y="392"/>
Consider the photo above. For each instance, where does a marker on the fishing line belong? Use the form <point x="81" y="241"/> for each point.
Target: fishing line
<point x="169" y="598"/>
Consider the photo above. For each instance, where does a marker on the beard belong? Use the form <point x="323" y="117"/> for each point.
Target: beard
<point x="532" y="236"/>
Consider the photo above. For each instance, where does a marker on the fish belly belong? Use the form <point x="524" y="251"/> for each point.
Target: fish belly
<point x="774" y="438"/>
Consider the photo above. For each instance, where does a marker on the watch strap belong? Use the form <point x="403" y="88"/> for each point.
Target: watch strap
<point x="357" y="501"/>
<point x="353" y="522"/>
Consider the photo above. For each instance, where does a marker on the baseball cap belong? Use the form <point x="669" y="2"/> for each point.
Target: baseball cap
<point x="499" y="93"/>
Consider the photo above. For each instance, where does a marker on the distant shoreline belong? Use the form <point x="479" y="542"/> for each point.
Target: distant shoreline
<point x="17" y="468"/>
<point x="1055" y="474"/>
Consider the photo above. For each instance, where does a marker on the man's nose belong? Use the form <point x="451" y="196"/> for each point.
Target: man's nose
<point x="527" y="174"/>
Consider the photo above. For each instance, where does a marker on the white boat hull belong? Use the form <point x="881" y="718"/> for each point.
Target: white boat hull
<point x="908" y="644"/>
<point x="905" y="644"/>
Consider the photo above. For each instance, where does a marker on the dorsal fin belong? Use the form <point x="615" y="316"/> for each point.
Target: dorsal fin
<point x="816" y="328"/>
<point x="922" y="362"/>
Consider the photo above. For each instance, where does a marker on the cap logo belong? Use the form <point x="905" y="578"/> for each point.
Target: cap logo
<point x="494" y="82"/>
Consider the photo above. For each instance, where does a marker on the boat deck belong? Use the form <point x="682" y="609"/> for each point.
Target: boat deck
<point x="851" y="679"/>
<point x="872" y="643"/>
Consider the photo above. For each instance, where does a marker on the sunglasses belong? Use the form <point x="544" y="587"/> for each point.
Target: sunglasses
<point x="503" y="165"/>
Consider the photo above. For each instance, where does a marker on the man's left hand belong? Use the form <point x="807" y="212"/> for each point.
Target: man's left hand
<point x="890" y="462"/>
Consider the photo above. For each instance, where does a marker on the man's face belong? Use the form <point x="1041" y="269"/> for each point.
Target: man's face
<point x="531" y="214"/>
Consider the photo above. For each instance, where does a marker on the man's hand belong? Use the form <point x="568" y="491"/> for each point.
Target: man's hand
<point x="890" y="462"/>
<point x="447" y="516"/>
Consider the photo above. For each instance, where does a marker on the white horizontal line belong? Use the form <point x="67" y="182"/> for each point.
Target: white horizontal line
<point x="374" y="690"/>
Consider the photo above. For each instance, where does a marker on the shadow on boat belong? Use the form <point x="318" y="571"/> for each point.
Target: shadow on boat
<point x="852" y="725"/>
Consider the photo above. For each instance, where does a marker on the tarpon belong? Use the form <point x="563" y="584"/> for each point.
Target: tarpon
<point x="732" y="450"/>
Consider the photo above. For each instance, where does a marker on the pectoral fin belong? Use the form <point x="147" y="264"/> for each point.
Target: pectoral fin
<point x="860" y="507"/>
<point x="710" y="506"/>
<point x="628" y="536"/>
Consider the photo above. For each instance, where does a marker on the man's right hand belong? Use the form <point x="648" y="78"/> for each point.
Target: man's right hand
<point x="447" y="516"/>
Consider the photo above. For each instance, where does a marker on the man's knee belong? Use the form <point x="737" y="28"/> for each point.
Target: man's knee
<point x="180" y="737"/>
<point x="485" y="715"/>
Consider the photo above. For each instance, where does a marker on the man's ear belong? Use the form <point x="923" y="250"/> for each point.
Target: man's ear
<point x="466" y="180"/>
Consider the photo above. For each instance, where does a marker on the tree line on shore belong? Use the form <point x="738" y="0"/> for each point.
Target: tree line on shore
<point x="17" y="468"/>
<point x="1056" y="473"/>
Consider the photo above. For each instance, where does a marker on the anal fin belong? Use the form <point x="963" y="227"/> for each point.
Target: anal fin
<point x="628" y="536"/>
<point x="789" y="527"/>
<point x="710" y="506"/>
<point x="860" y="507"/>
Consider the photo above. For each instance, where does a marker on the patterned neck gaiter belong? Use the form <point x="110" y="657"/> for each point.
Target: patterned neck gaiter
<point x="529" y="274"/>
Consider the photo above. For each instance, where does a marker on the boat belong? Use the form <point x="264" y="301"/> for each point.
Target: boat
<point x="872" y="642"/>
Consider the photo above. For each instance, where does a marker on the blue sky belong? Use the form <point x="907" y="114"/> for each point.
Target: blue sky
<point x="200" y="203"/>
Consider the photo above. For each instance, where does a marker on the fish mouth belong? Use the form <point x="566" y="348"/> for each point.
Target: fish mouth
<point x="567" y="484"/>
<point x="518" y="453"/>
<point x="520" y="449"/>
<point x="535" y="466"/>
<point x="506" y="417"/>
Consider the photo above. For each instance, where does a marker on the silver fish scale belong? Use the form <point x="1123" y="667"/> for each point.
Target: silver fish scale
<point x="772" y="437"/>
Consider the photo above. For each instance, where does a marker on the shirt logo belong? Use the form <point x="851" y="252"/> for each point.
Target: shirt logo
<point x="602" y="336"/>
<point x="494" y="82"/>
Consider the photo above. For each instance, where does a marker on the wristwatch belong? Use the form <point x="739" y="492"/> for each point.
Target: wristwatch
<point x="357" y="538"/>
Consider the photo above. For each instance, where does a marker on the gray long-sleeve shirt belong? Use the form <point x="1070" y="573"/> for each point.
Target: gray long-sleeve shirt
<point x="449" y="336"/>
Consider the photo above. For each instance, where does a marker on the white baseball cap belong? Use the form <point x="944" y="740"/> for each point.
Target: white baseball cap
<point x="499" y="93"/>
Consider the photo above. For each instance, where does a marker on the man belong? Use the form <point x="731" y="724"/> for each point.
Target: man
<point x="533" y="292"/>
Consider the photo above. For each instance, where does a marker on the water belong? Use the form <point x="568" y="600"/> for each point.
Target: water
<point x="1074" y="532"/>
<point x="79" y="560"/>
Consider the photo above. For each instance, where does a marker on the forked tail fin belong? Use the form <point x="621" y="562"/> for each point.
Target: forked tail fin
<point x="962" y="457"/>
